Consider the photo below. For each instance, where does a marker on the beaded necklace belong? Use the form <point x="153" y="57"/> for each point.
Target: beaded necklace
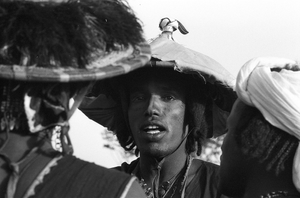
<point x="278" y="194"/>
<point x="163" y="189"/>
<point x="169" y="187"/>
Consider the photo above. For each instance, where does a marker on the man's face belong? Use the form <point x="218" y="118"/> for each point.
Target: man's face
<point x="156" y="114"/>
<point x="234" y="167"/>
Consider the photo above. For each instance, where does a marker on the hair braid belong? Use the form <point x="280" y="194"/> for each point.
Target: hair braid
<point x="277" y="157"/>
<point x="258" y="139"/>
<point x="197" y="108"/>
<point x="284" y="157"/>
<point x="197" y="124"/>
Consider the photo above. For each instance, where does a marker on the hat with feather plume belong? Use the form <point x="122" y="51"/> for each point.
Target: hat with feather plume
<point x="63" y="45"/>
<point x="67" y="41"/>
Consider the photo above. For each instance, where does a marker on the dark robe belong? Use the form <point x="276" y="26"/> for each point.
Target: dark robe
<point x="202" y="177"/>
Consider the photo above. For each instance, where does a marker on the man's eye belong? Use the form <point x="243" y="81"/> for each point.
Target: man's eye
<point x="168" y="98"/>
<point x="140" y="98"/>
<point x="137" y="98"/>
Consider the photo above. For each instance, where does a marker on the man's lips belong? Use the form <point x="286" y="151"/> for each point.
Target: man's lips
<point x="152" y="128"/>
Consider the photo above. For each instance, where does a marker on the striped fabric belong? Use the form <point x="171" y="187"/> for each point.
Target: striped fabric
<point x="139" y="57"/>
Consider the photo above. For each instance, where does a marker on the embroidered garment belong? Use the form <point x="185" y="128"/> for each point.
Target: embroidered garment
<point x="203" y="177"/>
<point x="70" y="177"/>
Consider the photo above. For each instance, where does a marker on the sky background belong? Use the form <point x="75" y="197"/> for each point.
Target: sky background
<point x="229" y="31"/>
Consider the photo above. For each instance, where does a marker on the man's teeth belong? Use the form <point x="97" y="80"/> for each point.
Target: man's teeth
<point x="152" y="129"/>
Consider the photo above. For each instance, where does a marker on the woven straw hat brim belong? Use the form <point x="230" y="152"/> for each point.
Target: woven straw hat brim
<point x="113" y="64"/>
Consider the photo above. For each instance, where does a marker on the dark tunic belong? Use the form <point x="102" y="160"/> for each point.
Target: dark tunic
<point x="72" y="178"/>
<point x="52" y="175"/>
<point x="203" y="177"/>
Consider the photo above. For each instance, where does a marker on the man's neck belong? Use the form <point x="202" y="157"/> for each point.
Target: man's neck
<point x="167" y="167"/>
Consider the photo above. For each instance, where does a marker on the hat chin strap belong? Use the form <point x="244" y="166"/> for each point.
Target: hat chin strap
<point x="160" y="163"/>
<point x="77" y="99"/>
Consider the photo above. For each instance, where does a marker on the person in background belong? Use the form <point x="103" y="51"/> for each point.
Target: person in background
<point x="163" y="112"/>
<point x="261" y="153"/>
<point x="50" y="54"/>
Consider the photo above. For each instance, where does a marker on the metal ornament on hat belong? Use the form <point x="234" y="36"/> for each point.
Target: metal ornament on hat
<point x="170" y="25"/>
<point x="169" y="53"/>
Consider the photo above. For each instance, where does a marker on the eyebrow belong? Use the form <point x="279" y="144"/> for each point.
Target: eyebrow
<point x="167" y="88"/>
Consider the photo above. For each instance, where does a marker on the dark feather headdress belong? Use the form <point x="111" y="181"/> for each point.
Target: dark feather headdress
<point x="62" y="41"/>
<point x="69" y="34"/>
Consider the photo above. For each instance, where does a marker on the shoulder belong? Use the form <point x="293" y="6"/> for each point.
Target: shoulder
<point x="84" y="178"/>
<point x="134" y="190"/>
<point x="204" y="173"/>
<point x="198" y="164"/>
<point x="77" y="165"/>
<point x="127" y="168"/>
<point x="202" y="180"/>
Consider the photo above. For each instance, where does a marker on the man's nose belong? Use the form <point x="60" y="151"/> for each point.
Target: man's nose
<point x="154" y="106"/>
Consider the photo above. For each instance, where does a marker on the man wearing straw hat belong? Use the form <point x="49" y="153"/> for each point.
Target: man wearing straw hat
<point x="50" y="53"/>
<point x="261" y="151"/>
<point x="164" y="111"/>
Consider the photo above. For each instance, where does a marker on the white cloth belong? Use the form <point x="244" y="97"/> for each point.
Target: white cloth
<point x="275" y="94"/>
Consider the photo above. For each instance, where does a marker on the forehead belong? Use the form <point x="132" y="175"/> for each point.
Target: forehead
<point x="165" y="79"/>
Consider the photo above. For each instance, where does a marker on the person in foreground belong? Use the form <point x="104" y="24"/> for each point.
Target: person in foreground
<point x="261" y="153"/>
<point x="163" y="112"/>
<point x="165" y="115"/>
<point x="50" y="53"/>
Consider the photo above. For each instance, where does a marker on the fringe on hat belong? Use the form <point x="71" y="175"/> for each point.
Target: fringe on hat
<point x="64" y="34"/>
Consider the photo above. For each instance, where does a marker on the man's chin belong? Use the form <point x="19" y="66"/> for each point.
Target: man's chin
<point x="157" y="154"/>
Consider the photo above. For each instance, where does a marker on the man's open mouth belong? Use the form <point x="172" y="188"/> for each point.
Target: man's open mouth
<point x="153" y="129"/>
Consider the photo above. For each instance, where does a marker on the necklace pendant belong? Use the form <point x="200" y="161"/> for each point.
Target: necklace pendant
<point x="276" y="194"/>
<point x="164" y="188"/>
<point x="161" y="192"/>
<point x="166" y="185"/>
<point x="149" y="193"/>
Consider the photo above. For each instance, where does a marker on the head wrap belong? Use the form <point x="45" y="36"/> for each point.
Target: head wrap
<point x="275" y="94"/>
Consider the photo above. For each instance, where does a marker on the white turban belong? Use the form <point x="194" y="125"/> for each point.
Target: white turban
<point x="276" y="95"/>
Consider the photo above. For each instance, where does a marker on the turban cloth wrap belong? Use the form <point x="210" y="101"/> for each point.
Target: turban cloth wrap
<point x="276" y="95"/>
